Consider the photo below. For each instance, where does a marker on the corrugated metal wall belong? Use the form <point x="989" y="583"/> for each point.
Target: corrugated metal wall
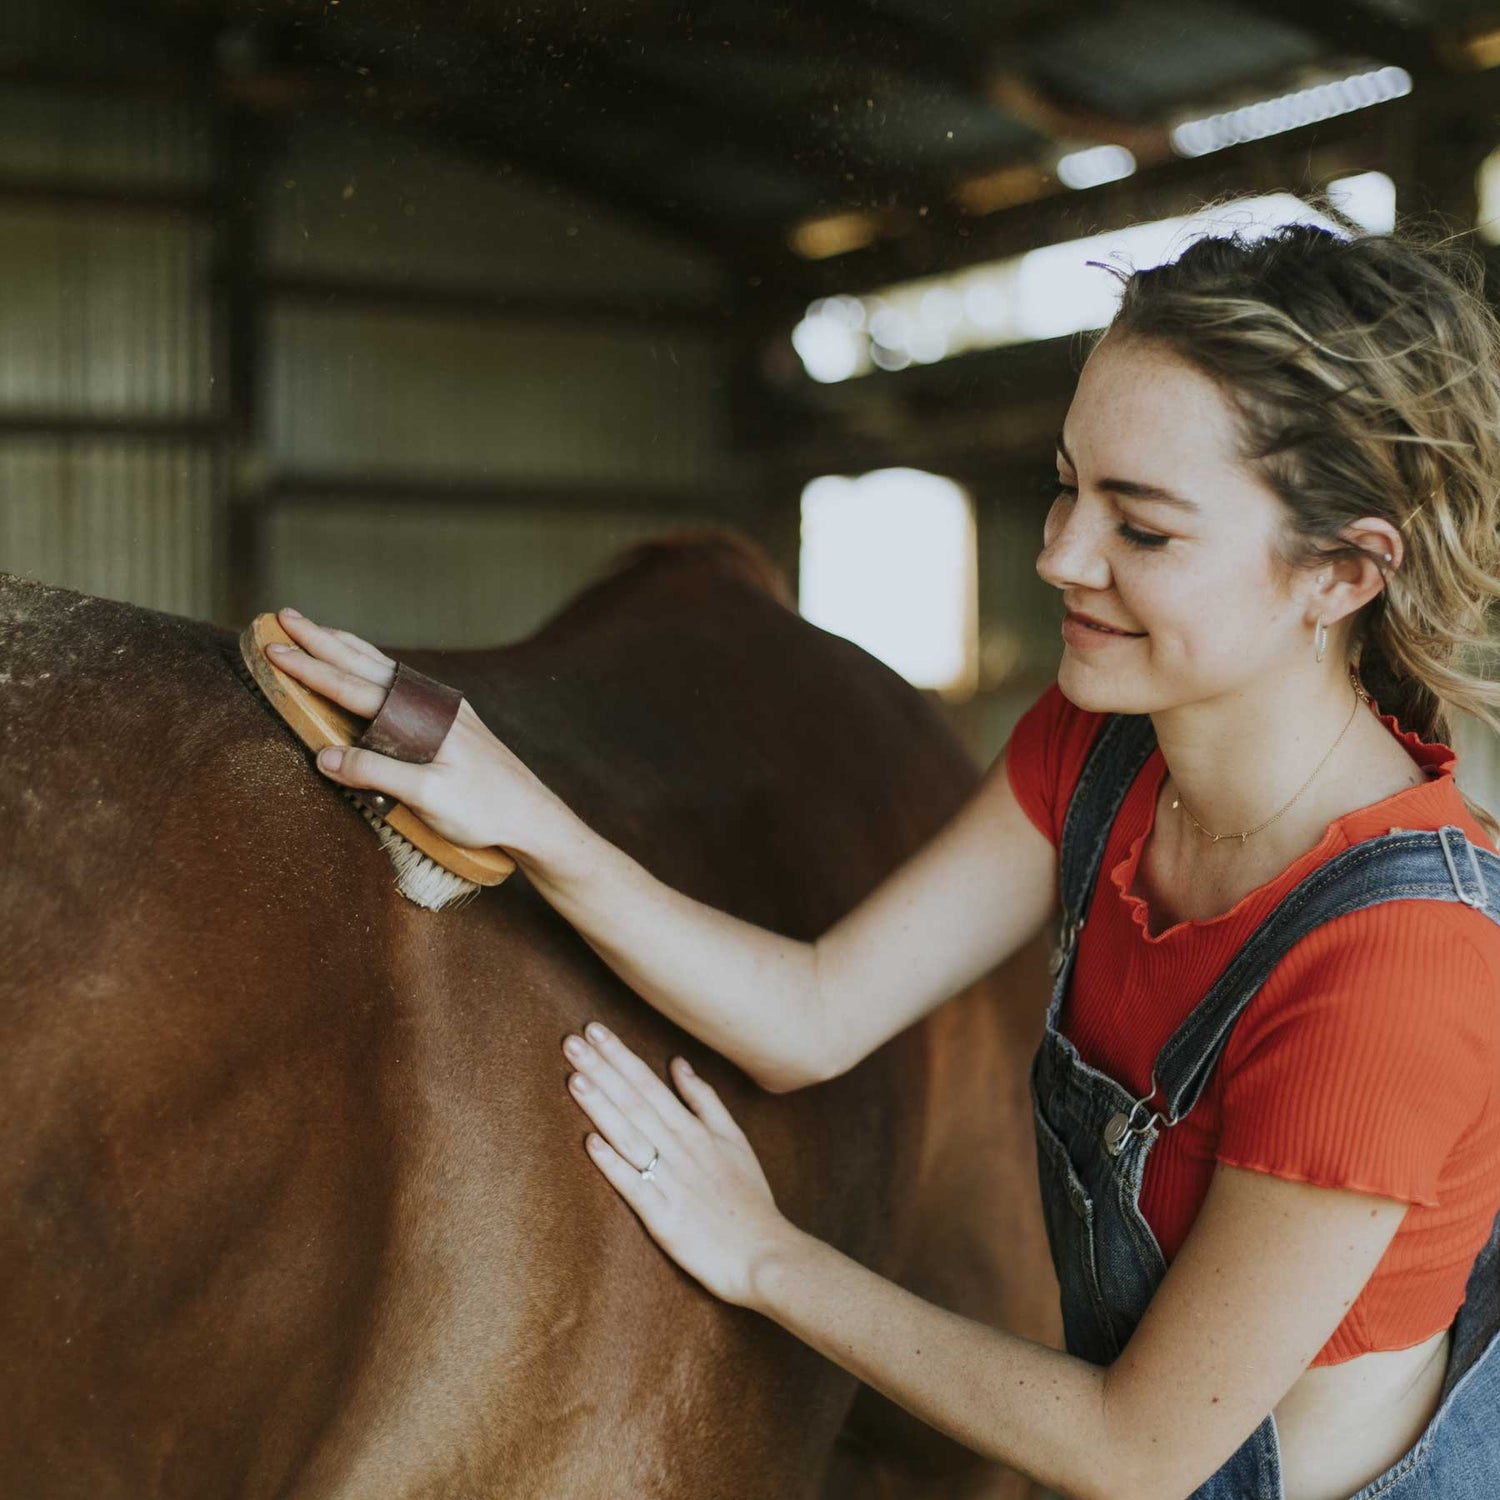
<point x="418" y="320"/>
<point x="453" y="397"/>
<point x="128" y="520"/>
<point x="534" y="381"/>
<point x="105" y="313"/>
<point x="358" y="200"/>
<point x="107" y="446"/>
<point x="375" y="569"/>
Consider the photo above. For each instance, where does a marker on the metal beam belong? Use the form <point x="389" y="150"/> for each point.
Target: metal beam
<point x="344" y="488"/>
<point x="241" y="147"/>
<point x="124" y="426"/>
<point x="340" y="293"/>
<point x="117" y="197"/>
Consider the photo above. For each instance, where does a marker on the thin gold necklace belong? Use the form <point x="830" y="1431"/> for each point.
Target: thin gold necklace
<point x="1360" y="695"/>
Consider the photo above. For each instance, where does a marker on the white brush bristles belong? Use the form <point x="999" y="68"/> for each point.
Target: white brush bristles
<point x="418" y="878"/>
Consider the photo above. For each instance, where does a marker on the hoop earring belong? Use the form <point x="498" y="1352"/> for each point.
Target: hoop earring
<point x="1320" y="638"/>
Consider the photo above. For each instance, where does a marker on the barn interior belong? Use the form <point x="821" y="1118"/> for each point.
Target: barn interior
<point x="414" y="314"/>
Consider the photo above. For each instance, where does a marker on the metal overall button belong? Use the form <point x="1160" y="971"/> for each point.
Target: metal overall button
<point x="1120" y="1127"/>
<point x="1067" y="935"/>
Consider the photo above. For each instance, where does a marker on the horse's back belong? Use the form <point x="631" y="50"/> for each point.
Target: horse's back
<point x="300" y="1201"/>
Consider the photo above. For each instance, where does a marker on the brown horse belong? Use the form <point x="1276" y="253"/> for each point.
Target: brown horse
<point x="295" y="1199"/>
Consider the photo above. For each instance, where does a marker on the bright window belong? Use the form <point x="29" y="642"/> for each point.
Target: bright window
<point x="888" y="561"/>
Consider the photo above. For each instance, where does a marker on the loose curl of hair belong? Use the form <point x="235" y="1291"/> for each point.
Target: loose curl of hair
<point x="1364" y="372"/>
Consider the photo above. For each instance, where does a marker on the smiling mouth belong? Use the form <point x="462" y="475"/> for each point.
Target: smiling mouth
<point x="1104" y="629"/>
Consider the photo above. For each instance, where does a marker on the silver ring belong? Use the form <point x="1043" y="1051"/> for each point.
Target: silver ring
<point x="648" y="1172"/>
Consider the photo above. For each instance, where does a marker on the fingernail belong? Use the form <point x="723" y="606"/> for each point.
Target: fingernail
<point x="596" y="1033"/>
<point x="687" y="1067"/>
<point x="296" y="614"/>
<point x="330" y="760"/>
<point x="279" y="647"/>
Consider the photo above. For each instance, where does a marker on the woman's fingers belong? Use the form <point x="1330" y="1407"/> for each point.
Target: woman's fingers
<point x="339" y="648"/>
<point x="608" y="1079"/>
<point x="651" y="1089"/>
<point x="361" y="645"/>
<point x="624" y="1178"/>
<point x="365" y="768"/>
<point x="352" y="690"/>
<point x="622" y="1132"/>
<point x="705" y="1100"/>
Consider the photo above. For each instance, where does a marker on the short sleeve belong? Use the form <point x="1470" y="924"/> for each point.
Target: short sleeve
<point x="1366" y="1055"/>
<point x="1045" y="755"/>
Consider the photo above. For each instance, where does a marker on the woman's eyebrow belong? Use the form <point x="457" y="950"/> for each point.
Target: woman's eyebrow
<point x="1136" y="490"/>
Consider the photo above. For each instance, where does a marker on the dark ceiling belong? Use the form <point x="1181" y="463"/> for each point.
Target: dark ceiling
<point x="735" y="123"/>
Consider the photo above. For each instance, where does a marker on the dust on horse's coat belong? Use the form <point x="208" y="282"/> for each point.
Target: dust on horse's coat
<point x="295" y="1199"/>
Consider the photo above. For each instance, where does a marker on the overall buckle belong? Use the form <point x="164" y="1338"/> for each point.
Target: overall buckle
<point x="1120" y="1127"/>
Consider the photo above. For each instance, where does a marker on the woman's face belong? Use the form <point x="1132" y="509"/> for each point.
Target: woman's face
<point x="1189" y="577"/>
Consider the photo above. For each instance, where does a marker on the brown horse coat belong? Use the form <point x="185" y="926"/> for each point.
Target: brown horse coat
<point x="295" y="1200"/>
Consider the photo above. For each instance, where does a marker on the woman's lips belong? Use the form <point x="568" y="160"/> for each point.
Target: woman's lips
<point x="1078" y="632"/>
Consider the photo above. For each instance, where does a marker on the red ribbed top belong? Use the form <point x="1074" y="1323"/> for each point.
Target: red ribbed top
<point x="1368" y="1059"/>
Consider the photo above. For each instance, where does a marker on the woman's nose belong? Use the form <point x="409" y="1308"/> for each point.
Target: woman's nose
<point x="1071" y="555"/>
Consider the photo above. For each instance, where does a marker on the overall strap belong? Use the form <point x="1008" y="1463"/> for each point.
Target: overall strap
<point x="1120" y="749"/>
<point x="1439" y="865"/>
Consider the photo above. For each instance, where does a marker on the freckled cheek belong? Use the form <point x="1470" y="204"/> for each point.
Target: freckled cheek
<point x="1182" y="623"/>
<point x="1219" y="633"/>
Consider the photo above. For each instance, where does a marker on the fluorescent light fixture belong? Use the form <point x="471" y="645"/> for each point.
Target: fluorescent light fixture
<point x="1323" y="101"/>
<point x="1098" y="164"/>
<point x="829" y="349"/>
<point x="889" y="561"/>
<point x="1045" y="293"/>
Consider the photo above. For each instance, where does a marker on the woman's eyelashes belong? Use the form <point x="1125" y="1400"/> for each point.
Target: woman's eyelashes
<point x="1058" y="490"/>
<point x="1141" y="538"/>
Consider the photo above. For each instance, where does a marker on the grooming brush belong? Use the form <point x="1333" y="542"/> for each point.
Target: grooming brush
<point x="430" y="871"/>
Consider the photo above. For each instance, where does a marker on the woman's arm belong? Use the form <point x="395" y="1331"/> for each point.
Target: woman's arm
<point x="789" y="1013"/>
<point x="1268" y="1271"/>
<point x="792" y="1013"/>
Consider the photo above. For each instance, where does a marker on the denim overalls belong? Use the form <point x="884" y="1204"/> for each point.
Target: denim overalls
<point x="1093" y="1137"/>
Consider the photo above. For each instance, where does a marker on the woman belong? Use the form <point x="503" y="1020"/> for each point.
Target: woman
<point x="1268" y="1193"/>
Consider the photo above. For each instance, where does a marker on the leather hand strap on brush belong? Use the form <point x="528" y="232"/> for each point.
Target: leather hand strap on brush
<point x="415" y="718"/>
<point x="411" y="725"/>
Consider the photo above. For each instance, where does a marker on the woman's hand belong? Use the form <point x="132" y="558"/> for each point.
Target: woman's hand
<point x="475" y="792"/>
<point x="708" y="1204"/>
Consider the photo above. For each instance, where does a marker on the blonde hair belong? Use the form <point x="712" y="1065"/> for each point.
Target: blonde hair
<point x="1364" y="370"/>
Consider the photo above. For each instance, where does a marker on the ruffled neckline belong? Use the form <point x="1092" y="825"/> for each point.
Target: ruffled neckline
<point x="1436" y="759"/>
